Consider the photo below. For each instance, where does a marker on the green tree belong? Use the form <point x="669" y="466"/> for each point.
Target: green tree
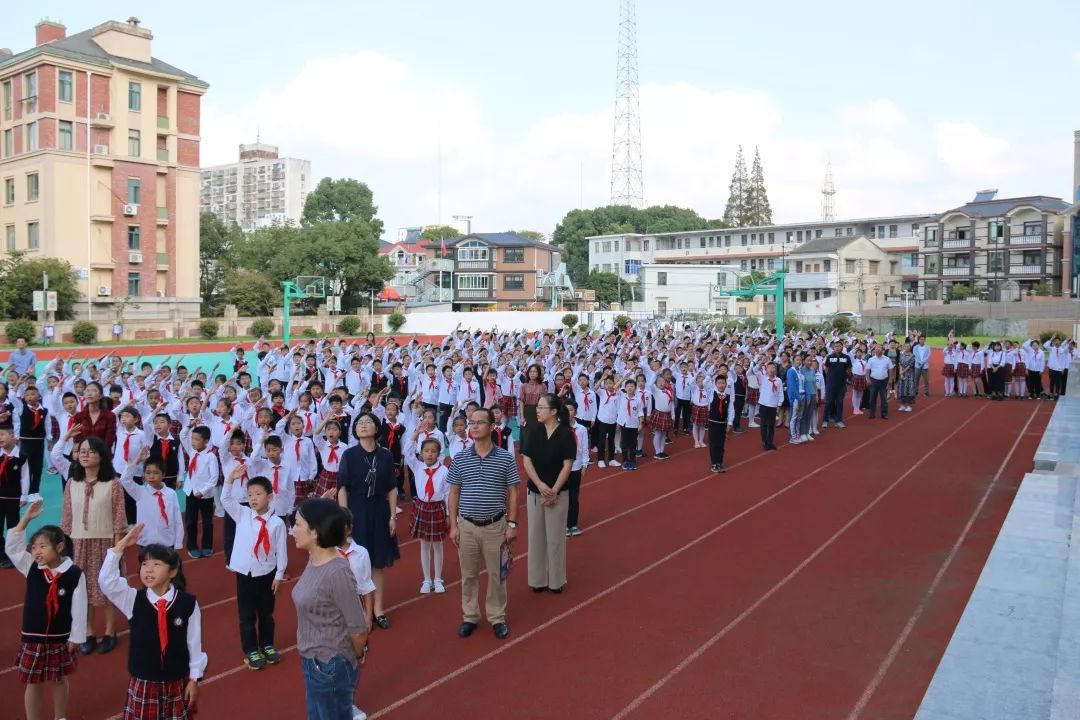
<point x="216" y="243"/>
<point x="439" y="233"/>
<point x="735" y="212"/>
<point x="252" y="292"/>
<point x="607" y="287"/>
<point x="758" y="211"/>
<point x="343" y="200"/>
<point x="531" y="234"/>
<point x="20" y="276"/>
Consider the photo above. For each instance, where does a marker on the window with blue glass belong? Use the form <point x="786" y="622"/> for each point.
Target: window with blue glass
<point x="631" y="267"/>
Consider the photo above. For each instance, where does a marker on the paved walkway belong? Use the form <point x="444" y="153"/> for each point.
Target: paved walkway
<point x="1015" y="654"/>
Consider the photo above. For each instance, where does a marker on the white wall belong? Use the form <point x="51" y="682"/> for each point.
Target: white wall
<point x="444" y="322"/>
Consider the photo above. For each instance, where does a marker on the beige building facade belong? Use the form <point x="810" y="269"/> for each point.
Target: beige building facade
<point x="99" y="166"/>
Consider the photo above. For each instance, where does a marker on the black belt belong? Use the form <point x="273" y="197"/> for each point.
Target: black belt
<point x="483" y="523"/>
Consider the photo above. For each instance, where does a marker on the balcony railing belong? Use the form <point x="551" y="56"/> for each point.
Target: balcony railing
<point x="1025" y="269"/>
<point x="965" y="243"/>
<point x="473" y="295"/>
<point x="473" y="265"/>
<point x="956" y="271"/>
<point x="1027" y="239"/>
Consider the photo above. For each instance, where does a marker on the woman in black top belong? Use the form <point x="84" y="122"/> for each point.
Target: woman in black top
<point x="367" y="485"/>
<point x="548" y="456"/>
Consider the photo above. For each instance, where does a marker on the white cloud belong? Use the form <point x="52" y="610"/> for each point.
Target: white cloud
<point x="879" y="114"/>
<point x="972" y="153"/>
<point x="367" y="116"/>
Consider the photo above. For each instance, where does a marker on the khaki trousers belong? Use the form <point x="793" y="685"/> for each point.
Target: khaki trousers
<point x="547" y="541"/>
<point x="476" y="545"/>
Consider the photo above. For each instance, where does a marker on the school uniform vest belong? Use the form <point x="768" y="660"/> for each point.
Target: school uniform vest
<point x="394" y="444"/>
<point x="400" y="387"/>
<point x="378" y="381"/>
<point x="36" y="626"/>
<point x="27" y="429"/>
<point x="144" y="656"/>
<point x="172" y="460"/>
<point x="718" y="408"/>
<point x="11" y="479"/>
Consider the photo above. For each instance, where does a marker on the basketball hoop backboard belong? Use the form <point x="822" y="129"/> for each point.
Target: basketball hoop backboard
<point x="311" y="286"/>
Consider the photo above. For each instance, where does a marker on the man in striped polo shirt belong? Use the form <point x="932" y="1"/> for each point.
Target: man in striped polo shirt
<point x="482" y="507"/>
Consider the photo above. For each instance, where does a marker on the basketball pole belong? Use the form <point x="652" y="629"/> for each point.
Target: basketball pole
<point x="289" y="292"/>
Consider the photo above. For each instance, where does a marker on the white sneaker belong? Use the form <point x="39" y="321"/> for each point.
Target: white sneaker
<point x="807" y="438"/>
<point x="601" y="464"/>
<point x="614" y="463"/>
<point x="440" y="587"/>
<point x="795" y="441"/>
<point x="752" y="424"/>
<point x="358" y="714"/>
<point x="425" y="587"/>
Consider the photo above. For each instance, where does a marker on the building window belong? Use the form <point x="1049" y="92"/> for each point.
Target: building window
<point x="9" y="191"/>
<point x="874" y="267"/>
<point x="31" y="93"/>
<point x="1032" y="229"/>
<point x="996" y="261"/>
<point x="134" y="284"/>
<point x="9" y="146"/>
<point x="607" y="246"/>
<point x="838" y="232"/>
<point x="66" y="137"/>
<point x="596" y="247"/>
<point x="513" y="282"/>
<point x="33" y="236"/>
<point x="135" y="96"/>
<point x="770" y="264"/>
<point x="64" y="86"/>
<point x="33" y="187"/>
<point x="134" y="238"/>
<point x="702" y="242"/>
<point x="850" y="232"/>
<point x="31" y="137"/>
<point x="514" y="255"/>
<point x="772" y="237"/>
<point x="818" y="233"/>
<point x="893" y="230"/>
<point x="798" y="236"/>
<point x="742" y="239"/>
<point x="134" y="143"/>
<point x="826" y="293"/>
<point x="931" y="264"/>
<point x="645" y="244"/>
<point x="849" y="266"/>
<point x="9" y="237"/>
<point x="134" y="191"/>
<point x="473" y="282"/>
<point x="802" y="296"/>
<point x="742" y="264"/>
<point x="798" y="266"/>
<point x="828" y="266"/>
<point x="616" y="246"/>
<point x="472" y="251"/>
<point x="631" y="267"/>
<point x="930" y="237"/>
<point x="996" y="231"/>
<point x="1032" y="257"/>
<point x="7" y="100"/>
<point x="892" y="267"/>
<point x="661" y="278"/>
<point x="817" y="294"/>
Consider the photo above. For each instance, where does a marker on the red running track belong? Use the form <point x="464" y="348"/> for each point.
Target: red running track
<point x="819" y="581"/>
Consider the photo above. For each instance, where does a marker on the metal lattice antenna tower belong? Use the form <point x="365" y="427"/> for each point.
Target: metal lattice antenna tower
<point x="626" y="181"/>
<point x="828" y="196"/>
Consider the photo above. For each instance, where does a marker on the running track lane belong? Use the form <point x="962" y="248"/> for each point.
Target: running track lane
<point x="600" y="658"/>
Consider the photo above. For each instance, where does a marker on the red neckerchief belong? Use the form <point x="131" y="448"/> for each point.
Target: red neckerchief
<point x="52" y="598"/>
<point x="262" y="540"/>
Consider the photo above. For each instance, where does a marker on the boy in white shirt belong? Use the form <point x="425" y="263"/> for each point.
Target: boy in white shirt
<point x="282" y="477"/>
<point x="577" y="469"/>
<point x="202" y="477"/>
<point x="156" y="506"/>
<point x="630" y="412"/>
<point x="259" y="557"/>
<point x="360" y="564"/>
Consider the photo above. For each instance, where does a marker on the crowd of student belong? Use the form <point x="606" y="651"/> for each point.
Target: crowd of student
<point x="328" y="441"/>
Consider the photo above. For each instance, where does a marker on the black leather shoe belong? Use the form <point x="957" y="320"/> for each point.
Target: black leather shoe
<point x="465" y="629"/>
<point x="382" y="621"/>
<point x="539" y="589"/>
<point x="558" y="591"/>
<point x="108" y="644"/>
<point x="501" y="630"/>
<point x="88" y="647"/>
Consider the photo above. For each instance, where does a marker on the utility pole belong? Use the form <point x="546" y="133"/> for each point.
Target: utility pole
<point x="862" y="292"/>
<point x="907" y="302"/>
<point x="627" y="186"/>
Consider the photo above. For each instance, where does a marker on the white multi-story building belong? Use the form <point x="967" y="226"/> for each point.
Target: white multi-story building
<point x="260" y="190"/>
<point x="682" y="288"/>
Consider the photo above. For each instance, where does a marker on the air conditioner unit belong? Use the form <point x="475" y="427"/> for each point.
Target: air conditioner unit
<point x="131" y="209"/>
<point x="135" y="258"/>
<point x="101" y="149"/>
<point x="103" y="116"/>
<point x="103" y="291"/>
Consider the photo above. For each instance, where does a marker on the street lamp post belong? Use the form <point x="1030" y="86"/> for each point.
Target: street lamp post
<point x="907" y="301"/>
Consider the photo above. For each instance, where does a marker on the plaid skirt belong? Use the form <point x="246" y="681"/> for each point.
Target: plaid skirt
<point x="90" y="556"/>
<point x="660" y="421"/>
<point x="699" y="415"/>
<point x="1020" y="371"/>
<point x="156" y="700"/>
<point x="327" y="480"/>
<point x="963" y="370"/>
<point x="508" y="405"/>
<point x="303" y="490"/>
<point x="753" y="395"/>
<point x="858" y="382"/>
<point x="948" y="371"/>
<point x="429" y="520"/>
<point x="39" y="662"/>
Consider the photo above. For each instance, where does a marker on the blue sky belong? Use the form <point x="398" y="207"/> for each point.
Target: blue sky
<point x="916" y="105"/>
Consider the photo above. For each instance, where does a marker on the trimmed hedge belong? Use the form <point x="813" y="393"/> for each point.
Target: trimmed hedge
<point x="263" y="327"/>
<point x="84" y="333"/>
<point x="349" y="325"/>
<point x="209" y="329"/>
<point x="21" y="329"/>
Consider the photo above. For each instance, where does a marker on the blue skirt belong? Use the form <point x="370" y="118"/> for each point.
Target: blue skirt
<point x="371" y="529"/>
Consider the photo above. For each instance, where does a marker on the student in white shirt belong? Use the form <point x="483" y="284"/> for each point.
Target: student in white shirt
<point x="259" y="558"/>
<point x="771" y="396"/>
<point x="429" y="522"/>
<point x="360" y="564"/>
<point x="878" y="371"/>
<point x="156" y="506"/>
<point x="202" y="478"/>
<point x="299" y="452"/>
<point x="130" y="441"/>
<point x="661" y="420"/>
<point x="577" y="469"/>
<point x="230" y="459"/>
<point x="268" y="463"/>
<point x="607" y="420"/>
<point x="630" y="414"/>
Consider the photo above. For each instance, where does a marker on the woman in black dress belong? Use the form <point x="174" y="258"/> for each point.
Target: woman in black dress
<point x="367" y="485"/>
